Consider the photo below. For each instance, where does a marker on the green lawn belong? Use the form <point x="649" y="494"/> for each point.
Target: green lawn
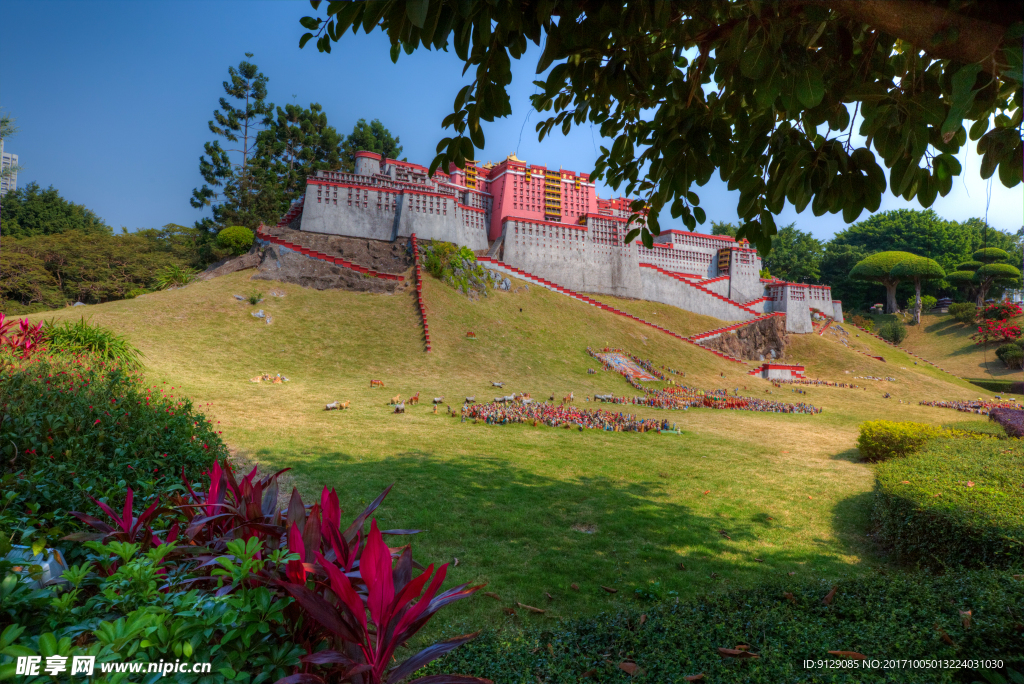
<point x="942" y="340"/>
<point x="738" y="498"/>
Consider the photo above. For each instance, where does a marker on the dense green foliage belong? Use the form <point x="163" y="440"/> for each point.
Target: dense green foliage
<point x="894" y="331"/>
<point x="236" y="239"/>
<point x="29" y="211"/>
<point x="795" y="256"/>
<point x="884" y="615"/>
<point x="455" y="266"/>
<point x="927" y="302"/>
<point x="878" y="268"/>
<point x="923" y="233"/>
<point x="963" y="312"/>
<point x="954" y="503"/>
<point x="766" y="94"/>
<point x="99" y="343"/>
<point x="71" y="429"/>
<point x="50" y="271"/>
<point x="369" y="137"/>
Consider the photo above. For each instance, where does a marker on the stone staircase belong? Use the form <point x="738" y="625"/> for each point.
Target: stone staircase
<point x="500" y="267"/>
<point x="419" y="290"/>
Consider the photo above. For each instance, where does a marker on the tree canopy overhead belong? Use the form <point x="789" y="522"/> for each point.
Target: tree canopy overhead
<point x="764" y="92"/>
<point x="917" y="270"/>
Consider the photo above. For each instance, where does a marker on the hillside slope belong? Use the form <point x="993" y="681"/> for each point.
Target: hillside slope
<point x="942" y="340"/>
<point x="739" y="497"/>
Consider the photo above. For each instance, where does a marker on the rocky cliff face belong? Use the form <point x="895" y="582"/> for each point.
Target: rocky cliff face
<point x="762" y="341"/>
<point x="291" y="267"/>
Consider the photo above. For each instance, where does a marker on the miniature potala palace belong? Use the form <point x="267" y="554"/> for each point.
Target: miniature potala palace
<point x="552" y="224"/>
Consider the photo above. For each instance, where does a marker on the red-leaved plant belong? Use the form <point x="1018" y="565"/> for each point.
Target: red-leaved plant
<point x="386" y="590"/>
<point x="20" y="336"/>
<point x="337" y="577"/>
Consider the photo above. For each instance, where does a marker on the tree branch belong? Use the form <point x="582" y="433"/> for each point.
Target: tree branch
<point x="917" y="22"/>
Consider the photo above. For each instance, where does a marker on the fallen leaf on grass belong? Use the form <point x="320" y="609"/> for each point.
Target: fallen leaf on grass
<point x="610" y="590"/>
<point x="770" y="518"/>
<point x="970" y="484"/>
<point x="829" y="596"/>
<point x="724" y="534"/>
<point x="530" y="608"/>
<point x="574" y="586"/>
<point x="965" y="617"/>
<point x="693" y="678"/>
<point x="791" y="573"/>
<point x="509" y="611"/>
<point x="456" y="563"/>
<point x="737" y="653"/>
<point x="492" y="595"/>
<point x="937" y="495"/>
<point x="905" y="482"/>
<point x="852" y="655"/>
<point x="550" y="597"/>
<point x="643" y="619"/>
<point x="708" y="491"/>
<point x="789" y="597"/>
<point x="588" y="673"/>
<point x="682" y="566"/>
<point x="714" y="575"/>
<point x="809" y="496"/>
<point x="942" y="634"/>
<point x="759" y="560"/>
<point x="1018" y="577"/>
<point x="630" y="668"/>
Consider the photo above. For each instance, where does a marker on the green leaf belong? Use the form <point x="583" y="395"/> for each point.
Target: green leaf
<point x="756" y="57"/>
<point x="37" y="546"/>
<point x="552" y="46"/>
<point x="416" y="10"/>
<point x="809" y="88"/>
<point x="395" y="51"/>
<point x="304" y="39"/>
<point x="699" y="214"/>
<point x="962" y="97"/>
<point x="311" y="23"/>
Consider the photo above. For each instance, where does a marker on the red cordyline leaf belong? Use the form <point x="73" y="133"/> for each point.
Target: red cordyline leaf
<point x="390" y="592"/>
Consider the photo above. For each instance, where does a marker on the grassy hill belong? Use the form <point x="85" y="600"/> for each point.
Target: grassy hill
<point x="739" y="497"/>
<point x="942" y="340"/>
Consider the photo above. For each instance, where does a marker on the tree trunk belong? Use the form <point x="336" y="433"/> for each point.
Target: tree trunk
<point x="890" y="297"/>
<point x="917" y="301"/>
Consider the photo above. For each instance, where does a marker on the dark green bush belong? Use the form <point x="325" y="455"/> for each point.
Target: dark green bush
<point x="894" y="331"/>
<point x="1014" y="358"/>
<point x="883" y="616"/>
<point x="957" y="502"/>
<point x="963" y="312"/>
<point x="70" y="429"/>
<point x="237" y="239"/>
<point x="455" y="266"/>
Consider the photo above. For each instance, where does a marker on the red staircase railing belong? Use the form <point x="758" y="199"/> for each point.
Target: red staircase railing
<point x="419" y="290"/>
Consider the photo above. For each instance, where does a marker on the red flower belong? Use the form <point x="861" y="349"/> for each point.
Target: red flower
<point x="97" y="420"/>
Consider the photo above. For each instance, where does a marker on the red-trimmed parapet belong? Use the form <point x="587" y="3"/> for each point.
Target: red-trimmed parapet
<point x="698" y="286"/>
<point x="419" y="290"/>
<point x="778" y="371"/>
<point x="313" y="254"/>
<point x="501" y="267"/>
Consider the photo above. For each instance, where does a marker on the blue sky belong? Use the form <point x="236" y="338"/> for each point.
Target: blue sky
<point x="113" y="99"/>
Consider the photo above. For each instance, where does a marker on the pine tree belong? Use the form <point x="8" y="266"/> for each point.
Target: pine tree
<point x="241" y="200"/>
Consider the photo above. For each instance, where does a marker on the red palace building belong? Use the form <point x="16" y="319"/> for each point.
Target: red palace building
<point x="552" y="224"/>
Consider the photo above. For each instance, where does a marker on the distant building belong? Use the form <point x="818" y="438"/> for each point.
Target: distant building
<point x="8" y="160"/>
<point x="552" y="224"/>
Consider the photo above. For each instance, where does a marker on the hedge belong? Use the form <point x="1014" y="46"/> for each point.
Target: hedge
<point x="883" y="439"/>
<point x="955" y="503"/>
<point x="905" y="615"/>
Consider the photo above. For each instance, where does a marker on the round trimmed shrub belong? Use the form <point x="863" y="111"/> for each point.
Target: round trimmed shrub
<point x="957" y="502"/>
<point x="1014" y="358"/>
<point x="963" y="312"/>
<point x="893" y="331"/>
<point x="238" y="239"/>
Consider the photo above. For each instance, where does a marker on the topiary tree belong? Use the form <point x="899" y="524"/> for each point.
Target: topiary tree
<point x="918" y="269"/>
<point x="238" y="239"/>
<point x="878" y="268"/>
<point x="992" y="270"/>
